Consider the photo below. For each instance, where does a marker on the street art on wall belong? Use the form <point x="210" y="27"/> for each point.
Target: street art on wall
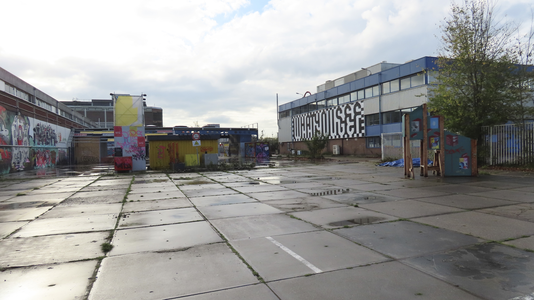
<point x="343" y="121"/>
<point x="27" y="143"/>
<point x="257" y="150"/>
<point x="132" y="141"/>
<point x="129" y="128"/>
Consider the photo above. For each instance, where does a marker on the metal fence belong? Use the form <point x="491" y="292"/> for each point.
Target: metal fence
<point x="508" y="144"/>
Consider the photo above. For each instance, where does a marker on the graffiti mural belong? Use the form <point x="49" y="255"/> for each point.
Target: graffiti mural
<point x="19" y="136"/>
<point x="20" y="158"/>
<point x="262" y="150"/>
<point x="44" y="135"/>
<point x="132" y="141"/>
<point x="343" y="121"/>
<point x="20" y="131"/>
<point x="5" y="137"/>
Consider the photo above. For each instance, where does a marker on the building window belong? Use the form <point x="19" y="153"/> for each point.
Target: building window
<point x="373" y="142"/>
<point x="361" y="94"/>
<point x="368" y="92"/>
<point x="376" y="91"/>
<point x="331" y="102"/>
<point x="321" y="104"/>
<point x="405" y="83"/>
<point x="418" y="80"/>
<point x="394" y="85"/>
<point x="344" y="99"/>
<point x="372" y="119"/>
<point x="385" y="88"/>
<point x="391" y="117"/>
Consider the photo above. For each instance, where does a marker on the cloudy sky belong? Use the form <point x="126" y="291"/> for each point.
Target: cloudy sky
<point x="214" y="61"/>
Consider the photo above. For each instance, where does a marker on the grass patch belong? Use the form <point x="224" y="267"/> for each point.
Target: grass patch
<point x="106" y="247"/>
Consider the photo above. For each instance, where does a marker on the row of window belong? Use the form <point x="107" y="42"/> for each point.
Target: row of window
<point x="45" y="105"/>
<point x="394" y="116"/>
<point x="16" y="92"/>
<point x="373" y="91"/>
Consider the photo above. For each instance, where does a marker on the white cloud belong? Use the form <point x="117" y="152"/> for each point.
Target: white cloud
<point x="211" y="60"/>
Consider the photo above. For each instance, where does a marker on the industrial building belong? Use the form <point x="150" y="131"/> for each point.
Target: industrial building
<point x="354" y="110"/>
<point x="36" y="130"/>
<point x="100" y="111"/>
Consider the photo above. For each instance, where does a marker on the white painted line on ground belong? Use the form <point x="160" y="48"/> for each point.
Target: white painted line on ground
<point x="295" y="255"/>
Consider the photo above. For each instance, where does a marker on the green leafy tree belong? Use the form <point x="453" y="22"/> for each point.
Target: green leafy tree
<point x="476" y="68"/>
<point x="316" y="144"/>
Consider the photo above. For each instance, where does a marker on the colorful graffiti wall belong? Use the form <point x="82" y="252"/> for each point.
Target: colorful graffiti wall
<point x="27" y="143"/>
<point x="257" y="150"/>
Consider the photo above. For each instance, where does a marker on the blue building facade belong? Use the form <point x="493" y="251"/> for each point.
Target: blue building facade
<point x="354" y="110"/>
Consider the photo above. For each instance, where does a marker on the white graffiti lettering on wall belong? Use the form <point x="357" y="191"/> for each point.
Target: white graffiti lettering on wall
<point x="344" y="121"/>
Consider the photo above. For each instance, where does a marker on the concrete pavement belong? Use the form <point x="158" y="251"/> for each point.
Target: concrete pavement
<point x="337" y="230"/>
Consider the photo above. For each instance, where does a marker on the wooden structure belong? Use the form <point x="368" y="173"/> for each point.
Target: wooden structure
<point x="454" y="155"/>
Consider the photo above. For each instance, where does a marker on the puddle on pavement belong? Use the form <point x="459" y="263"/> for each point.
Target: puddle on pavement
<point x="357" y="221"/>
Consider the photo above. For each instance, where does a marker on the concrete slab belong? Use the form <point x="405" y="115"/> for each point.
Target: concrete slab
<point x="52" y="189"/>
<point x="171" y="274"/>
<point x="244" y="183"/>
<point x="369" y="187"/>
<point x="156" y="205"/>
<point x="229" y="178"/>
<point x="321" y="251"/>
<point x="466" y="201"/>
<point x="148" y="190"/>
<point x="511" y="195"/>
<point x="303" y="204"/>
<point x="490" y="271"/>
<point x="496" y="184"/>
<point x="90" y="188"/>
<point x="347" y="183"/>
<point x="159" y="217"/>
<point x="360" y="197"/>
<point x="237" y="210"/>
<point x="82" y="210"/>
<point x="260" y="188"/>
<point x="50" y="249"/>
<point x="49" y="198"/>
<point x="523" y="212"/>
<point x="409" y="208"/>
<point x="486" y="226"/>
<point x="257" y="292"/>
<point x="155" y="196"/>
<point x="456" y="189"/>
<point x="68" y="225"/>
<point x="277" y="195"/>
<point x="194" y="181"/>
<point x="523" y="243"/>
<point x="406" y="239"/>
<point x="411" y="193"/>
<point x="163" y="238"/>
<point x="342" y="216"/>
<point x="221" y="200"/>
<point x="24" y="214"/>
<point x="185" y="188"/>
<point x="97" y="197"/>
<point x="385" y="281"/>
<point x="209" y="192"/>
<point x="6" y="228"/>
<point x="56" y="282"/>
<point x="260" y="226"/>
<point x="529" y="189"/>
